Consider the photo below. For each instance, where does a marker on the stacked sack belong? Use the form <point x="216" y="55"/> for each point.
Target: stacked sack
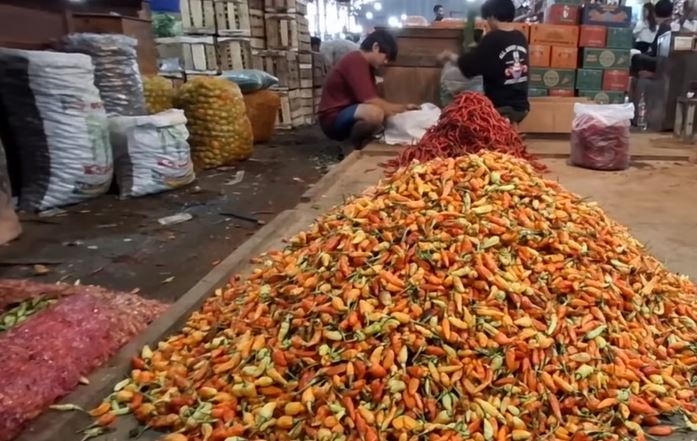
<point x="220" y="132"/>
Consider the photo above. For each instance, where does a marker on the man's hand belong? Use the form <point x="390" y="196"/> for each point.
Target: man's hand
<point x="413" y="107"/>
<point x="446" y="56"/>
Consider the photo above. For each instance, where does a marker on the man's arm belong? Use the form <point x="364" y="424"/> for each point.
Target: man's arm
<point x="388" y="107"/>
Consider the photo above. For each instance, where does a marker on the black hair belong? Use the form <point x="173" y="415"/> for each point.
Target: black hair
<point x="651" y="16"/>
<point x="315" y="41"/>
<point x="436" y="8"/>
<point x="385" y="41"/>
<point x="664" y="9"/>
<point x="501" y="10"/>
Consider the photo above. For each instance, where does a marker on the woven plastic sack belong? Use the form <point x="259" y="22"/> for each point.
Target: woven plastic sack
<point x="334" y="50"/>
<point x="116" y="73"/>
<point x="250" y="80"/>
<point x="151" y="154"/>
<point x="56" y="125"/>
<point x="220" y="132"/>
<point x="159" y="94"/>
<point x="262" y="108"/>
<point x="600" y="136"/>
<point x="10" y="227"/>
<point x="452" y="83"/>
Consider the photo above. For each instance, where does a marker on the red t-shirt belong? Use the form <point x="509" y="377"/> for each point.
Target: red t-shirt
<point x="351" y="81"/>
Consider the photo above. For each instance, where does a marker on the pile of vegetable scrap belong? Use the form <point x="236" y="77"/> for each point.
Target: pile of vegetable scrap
<point x="469" y="124"/>
<point x="462" y="298"/>
<point x="51" y="336"/>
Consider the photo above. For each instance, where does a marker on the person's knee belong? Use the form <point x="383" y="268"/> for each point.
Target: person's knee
<point x="373" y="115"/>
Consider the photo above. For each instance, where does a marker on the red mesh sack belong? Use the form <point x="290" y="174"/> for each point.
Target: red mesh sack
<point x="600" y="136"/>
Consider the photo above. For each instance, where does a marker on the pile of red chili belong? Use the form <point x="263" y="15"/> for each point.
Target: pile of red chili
<point x="469" y="124"/>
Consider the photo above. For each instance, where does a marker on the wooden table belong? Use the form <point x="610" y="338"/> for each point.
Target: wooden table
<point x="414" y="77"/>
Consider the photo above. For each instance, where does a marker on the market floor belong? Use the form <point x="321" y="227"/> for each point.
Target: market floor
<point x="119" y="244"/>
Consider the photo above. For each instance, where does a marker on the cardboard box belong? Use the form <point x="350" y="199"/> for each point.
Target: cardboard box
<point x="533" y="92"/>
<point x="592" y="36"/>
<point x="550" y="114"/>
<point x="539" y="55"/>
<point x="554" y="35"/>
<point x="552" y="78"/>
<point x="620" y="38"/>
<point x="561" y="92"/>
<point x="606" y="15"/>
<point x="564" y="57"/>
<point x="524" y="28"/>
<point x="605" y="58"/>
<point x="616" y="80"/>
<point x="589" y="79"/>
<point x="562" y="14"/>
<point x="603" y="96"/>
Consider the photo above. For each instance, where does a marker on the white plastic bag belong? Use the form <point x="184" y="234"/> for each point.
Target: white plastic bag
<point x="57" y="127"/>
<point x="409" y="127"/>
<point x="151" y="153"/>
<point x="600" y="136"/>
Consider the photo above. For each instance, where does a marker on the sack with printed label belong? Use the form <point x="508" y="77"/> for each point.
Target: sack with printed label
<point x="55" y="124"/>
<point x="151" y="154"/>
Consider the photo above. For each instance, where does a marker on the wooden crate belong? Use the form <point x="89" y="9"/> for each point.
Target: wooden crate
<point x="198" y="16"/>
<point x="281" y="64"/>
<point x="281" y="31"/>
<point x="256" y="4"/>
<point x="284" y="119"/>
<point x="300" y="114"/>
<point x="303" y="26"/>
<point x="301" y="7"/>
<point x="320" y="68"/>
<point x="232" y="18"/>
<point x="195" y="54"/>
<point x="316" y="98"/>
<point x="305" y="69"/>
<point x="284" y="6"/>
<point x="235" y="53"/>
<point x="257" y="28"/>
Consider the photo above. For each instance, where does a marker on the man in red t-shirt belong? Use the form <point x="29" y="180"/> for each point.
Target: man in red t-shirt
<point x="350" y="107"/>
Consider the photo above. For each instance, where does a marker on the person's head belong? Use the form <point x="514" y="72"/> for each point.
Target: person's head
<point x="439" y="12"/>
<point x="664" y="10"/>
<point x="315" y="43"/>
<point x="649" y="15"/>
<point x="379" y="48"/>
<point x="496" y="11"/>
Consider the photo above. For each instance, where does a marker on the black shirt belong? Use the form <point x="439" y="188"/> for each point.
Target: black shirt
<point x="501" y="58"/>
<point x="662" y="29"/>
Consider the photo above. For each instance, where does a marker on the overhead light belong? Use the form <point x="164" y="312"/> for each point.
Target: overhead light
<point x="377" y="6"/>
<point x="403" y="17"/>
<point x="369" y="15"/>
<point x="393" y="22"/>
<point x="358" y="29"/>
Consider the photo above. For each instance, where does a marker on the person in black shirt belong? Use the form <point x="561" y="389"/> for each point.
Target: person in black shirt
<point x="501" y="58"/>
<point x="439" y="12"/>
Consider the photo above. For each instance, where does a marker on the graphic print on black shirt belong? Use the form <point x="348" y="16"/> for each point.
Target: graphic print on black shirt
<point x="501" y="58"/>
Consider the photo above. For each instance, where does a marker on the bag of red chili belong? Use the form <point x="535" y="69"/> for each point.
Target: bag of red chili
<point x="600" y="136"/>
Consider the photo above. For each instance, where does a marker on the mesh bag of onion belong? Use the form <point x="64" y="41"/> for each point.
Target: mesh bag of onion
<point x="600" y="136"/>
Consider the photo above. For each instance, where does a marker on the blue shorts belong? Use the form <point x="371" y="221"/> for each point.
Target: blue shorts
<point x="344" y="122"/>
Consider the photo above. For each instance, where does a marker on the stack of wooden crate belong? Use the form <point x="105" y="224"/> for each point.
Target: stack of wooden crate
<point x="217" y="37"/>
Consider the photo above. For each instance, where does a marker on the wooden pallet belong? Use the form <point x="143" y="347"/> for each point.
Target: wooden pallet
<point x="281" y="31"/>
<point x="235" y="53"/>
<point x="320" y="68"/>
<point x="301" y="7"/>
<point x="280" y="6"/>
<point x="198" y="16"/>
<point x="284" y="119"/>
<point x="257" y="28"/>
<point x="316" y="98"/>
<point x="281" y="64"/>
<point x="305" y="69"/>
<point x="196" y="54"/>
<point x="303" y="26"/>
<point x="232" y="18"/>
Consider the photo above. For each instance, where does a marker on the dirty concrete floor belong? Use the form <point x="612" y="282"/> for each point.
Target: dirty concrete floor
<point x="120" y="245"/>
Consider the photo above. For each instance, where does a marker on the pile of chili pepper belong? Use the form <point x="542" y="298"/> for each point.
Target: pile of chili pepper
<point x="461" y="299"/>
<point x="469" y="124"/>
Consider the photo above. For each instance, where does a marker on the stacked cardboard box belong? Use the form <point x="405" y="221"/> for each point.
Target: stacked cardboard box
<point x="606" y="40"/>
<point x="590" y="60"/>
